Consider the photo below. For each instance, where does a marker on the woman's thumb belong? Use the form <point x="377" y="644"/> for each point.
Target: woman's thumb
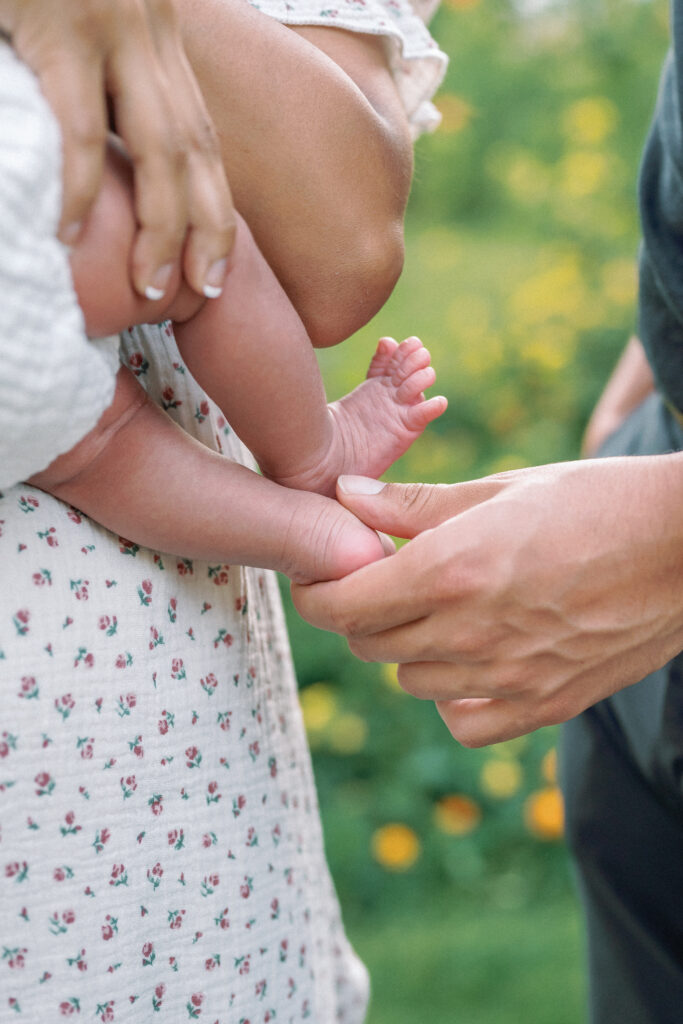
<point x="402" y="510"/>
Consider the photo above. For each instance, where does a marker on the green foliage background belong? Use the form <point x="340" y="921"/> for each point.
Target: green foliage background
<point x="521" y="240"/>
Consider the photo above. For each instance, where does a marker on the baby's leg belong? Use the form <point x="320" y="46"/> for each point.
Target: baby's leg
<point x="144" y="478"/>
<point x="249" y="350"/>
<point x="378" y="421"/>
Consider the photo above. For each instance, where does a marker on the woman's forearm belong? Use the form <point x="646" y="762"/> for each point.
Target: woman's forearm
<point x="317" y="153"/>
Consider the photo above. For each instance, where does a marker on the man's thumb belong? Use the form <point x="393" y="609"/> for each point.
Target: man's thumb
<point x="402" y="510"/>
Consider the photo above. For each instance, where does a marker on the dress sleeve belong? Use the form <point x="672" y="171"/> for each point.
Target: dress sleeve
<point x="54" y="382"/>
<point x="415" y="60"/>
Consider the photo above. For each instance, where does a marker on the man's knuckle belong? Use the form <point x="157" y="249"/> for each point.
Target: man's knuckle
<point x="413" y="497"/>
<point x="554" y="709"/>
<point x="457" y="579"/>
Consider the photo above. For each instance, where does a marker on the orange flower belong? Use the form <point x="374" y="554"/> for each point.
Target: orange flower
<point x="457" y="814"/>
<point x="544" y="813"/>
<point x="396" y="847"/>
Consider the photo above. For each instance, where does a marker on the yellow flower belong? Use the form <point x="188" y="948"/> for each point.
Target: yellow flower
<point x="348" y="733"/>
<point x="469" y="316"/>
<point x="318" y="704"/>
<point x="549" y="767"/>
<point x="455" y="112"/>
<point x="388" y="673"/>
<point x="457" y="814"/>
<point x="589" y="121"/>
<point x="511" y="748"/>
<point x="619" y="281"/>
<point x="526" y="178"/>
<point x="551" y="348"/>
<point x="396" y="847"/>
<point x="556" y="291"/>
<point x="583" y="172"/>
<point x="544" y="813"/>
<point x="501" y="777"/>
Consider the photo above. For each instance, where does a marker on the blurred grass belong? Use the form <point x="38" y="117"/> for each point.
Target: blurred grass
<point x="522" y="234"/>
<point x="462" y="963"/>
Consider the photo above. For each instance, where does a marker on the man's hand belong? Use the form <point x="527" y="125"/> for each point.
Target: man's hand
<point x="524" y="597"/>
<point x="129" y="54"/>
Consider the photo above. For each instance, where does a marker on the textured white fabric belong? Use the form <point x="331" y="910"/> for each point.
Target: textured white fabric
<point x="161" y="856"/>
<point x="54" y="383"/>
<point x="416" y="62"/>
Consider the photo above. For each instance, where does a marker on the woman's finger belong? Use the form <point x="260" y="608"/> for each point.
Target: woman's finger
<point x="144" y="119"/>
<point x="73" y="81"/>
<point x="211" y="217"/>
<point x="64" y="47"/>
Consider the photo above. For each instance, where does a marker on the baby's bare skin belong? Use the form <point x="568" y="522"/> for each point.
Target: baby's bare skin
<point x="249" y="351"/>
<point x="375" y="423"/>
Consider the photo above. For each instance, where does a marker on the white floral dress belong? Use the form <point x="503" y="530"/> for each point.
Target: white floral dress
<point x="160" y="850"/>
<point x="161" y="855"/>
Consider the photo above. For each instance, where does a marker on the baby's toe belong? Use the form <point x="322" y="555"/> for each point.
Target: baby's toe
<point x="418" y="416"/>
<point x="411" y="389"/>
<point x="383" y="358"/>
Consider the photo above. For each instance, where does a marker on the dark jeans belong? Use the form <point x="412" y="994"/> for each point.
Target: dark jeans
<point x="622" y="777"/>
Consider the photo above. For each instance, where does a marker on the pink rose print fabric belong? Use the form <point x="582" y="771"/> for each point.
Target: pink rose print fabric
<point x="160" y="848"/>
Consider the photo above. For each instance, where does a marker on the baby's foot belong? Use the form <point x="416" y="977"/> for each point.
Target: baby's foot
<point x="378" y="421"/>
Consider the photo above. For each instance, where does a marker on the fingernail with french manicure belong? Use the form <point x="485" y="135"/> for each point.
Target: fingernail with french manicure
<point x="215" y="279"/>
<point x="360" y="485"/>
<point x="157" y="289"/>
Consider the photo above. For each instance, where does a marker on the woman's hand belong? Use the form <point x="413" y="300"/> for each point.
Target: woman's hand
<point x="129" y="54"/>
<point x="524" y="597"/>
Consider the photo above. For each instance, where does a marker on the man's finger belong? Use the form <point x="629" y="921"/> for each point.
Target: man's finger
<point x="457" y="679"/>
<point x="478" y="723"/>
<point x="375" y="598"/>
<point x="405" y="510"/>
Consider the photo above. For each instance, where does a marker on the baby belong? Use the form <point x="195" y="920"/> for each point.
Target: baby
<point x="250" y="352"/>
